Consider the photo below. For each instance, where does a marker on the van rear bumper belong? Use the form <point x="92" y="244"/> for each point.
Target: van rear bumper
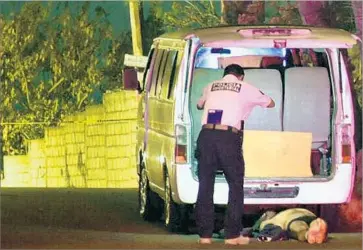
<point x="333" y="191"/>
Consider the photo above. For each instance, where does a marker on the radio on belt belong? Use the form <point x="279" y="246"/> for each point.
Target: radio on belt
<point x="214" y="116"/>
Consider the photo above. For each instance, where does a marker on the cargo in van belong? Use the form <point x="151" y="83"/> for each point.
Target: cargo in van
<point x="284" y="141"/>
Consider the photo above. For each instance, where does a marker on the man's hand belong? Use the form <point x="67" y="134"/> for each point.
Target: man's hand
<point x="272" y="104"/>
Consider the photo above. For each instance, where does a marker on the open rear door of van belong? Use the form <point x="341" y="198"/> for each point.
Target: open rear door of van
<point x="281" y="37"/>
<point x="297" y="190"/>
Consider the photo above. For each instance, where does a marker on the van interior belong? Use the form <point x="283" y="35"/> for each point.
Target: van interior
<point x="299" y="82"/>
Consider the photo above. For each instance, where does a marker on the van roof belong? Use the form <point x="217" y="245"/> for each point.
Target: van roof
<point x="234" y="33"/>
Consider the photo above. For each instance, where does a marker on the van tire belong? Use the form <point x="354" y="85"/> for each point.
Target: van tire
<point x="176" y="216"/>
<point x="149" y="202"/>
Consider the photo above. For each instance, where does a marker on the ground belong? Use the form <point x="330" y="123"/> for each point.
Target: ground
<point x="107" y="219"/>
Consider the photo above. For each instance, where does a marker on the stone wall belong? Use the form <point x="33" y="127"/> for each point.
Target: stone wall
<point x="18" y="172"/>
<point x="95" y="148"/>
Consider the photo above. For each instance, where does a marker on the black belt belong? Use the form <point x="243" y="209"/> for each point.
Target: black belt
<point x="222" y="127"/>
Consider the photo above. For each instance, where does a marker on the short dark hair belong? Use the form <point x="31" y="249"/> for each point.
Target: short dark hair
<point x="234" y="69"/>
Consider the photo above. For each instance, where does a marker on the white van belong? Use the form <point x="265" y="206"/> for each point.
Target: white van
<point x="307" y="139"/>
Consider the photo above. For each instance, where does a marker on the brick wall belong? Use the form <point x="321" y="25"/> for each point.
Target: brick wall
<point x="95" y="148"/>
<point x="17" y="174"/>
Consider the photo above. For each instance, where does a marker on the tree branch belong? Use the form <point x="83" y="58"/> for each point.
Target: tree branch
<point x="56" y="85"/>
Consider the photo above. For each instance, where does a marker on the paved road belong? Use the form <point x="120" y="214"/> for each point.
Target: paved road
<point x="104" y="219"/>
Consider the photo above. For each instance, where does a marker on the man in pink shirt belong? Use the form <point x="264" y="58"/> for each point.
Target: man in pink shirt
<point x="227" y="103"/>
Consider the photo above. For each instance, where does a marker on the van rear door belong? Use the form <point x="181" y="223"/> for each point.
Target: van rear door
<point x="300" y="190"/>
<point x="277" y="37"/>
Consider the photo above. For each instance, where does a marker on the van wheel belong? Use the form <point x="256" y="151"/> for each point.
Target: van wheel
<point x="176" y="216"/>
<point x="149" y="202"/>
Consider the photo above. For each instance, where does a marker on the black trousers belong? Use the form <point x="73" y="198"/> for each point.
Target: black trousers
<point x="218" y="149"/>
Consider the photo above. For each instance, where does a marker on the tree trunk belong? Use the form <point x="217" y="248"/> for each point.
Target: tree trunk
<point x="311" y="13"/>
<point x="357" y="10"/>
<point x="223" y="12"/>
<point x="2" y="173"/>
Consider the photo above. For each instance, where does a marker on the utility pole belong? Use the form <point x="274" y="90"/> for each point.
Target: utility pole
<point x="135" y="27"/>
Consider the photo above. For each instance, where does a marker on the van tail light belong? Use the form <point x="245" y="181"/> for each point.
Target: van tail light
<point x="181" y="150"/>
<point x="346" y="144"/>
<point x="274" y="32"/>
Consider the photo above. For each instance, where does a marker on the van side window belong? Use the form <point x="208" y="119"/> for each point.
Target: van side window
<point x="161" y="77"/>
<point x="157" y="71"/>
<point x="168" y="75"/>
<point x="173" y="62"/>
<point x="147" y="68"/>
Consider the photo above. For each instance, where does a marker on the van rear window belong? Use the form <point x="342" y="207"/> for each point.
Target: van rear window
<point x="217" y="58"/>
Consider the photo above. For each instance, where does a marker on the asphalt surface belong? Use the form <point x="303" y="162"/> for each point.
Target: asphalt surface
<point x="106" y="219"/>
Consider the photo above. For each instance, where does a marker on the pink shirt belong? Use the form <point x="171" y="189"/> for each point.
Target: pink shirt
<point x="235" y="98"/>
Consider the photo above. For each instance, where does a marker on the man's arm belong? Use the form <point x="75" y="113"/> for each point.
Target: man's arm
<point x="259" y="98"/>
<point x="202" y="99"/>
